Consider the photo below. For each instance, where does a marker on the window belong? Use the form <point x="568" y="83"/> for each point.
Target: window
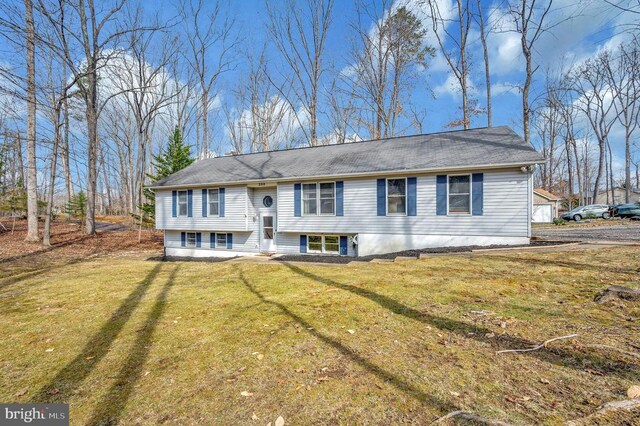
<point x="323" y="193"/>
<point x="328" y="198"/>
<point x="396" y="196"/>
<point x="214" y="202"/>
<point x="323" y="244"/>
<point x="460" y="194"/>
<point x="182" y="203"/>
<point x="331" y="244"/>
<point x="267" y="227"/>
<point x="309" y="199"/>
<point x="314" y="243"/>
<point x="221" y="241"/>
<point x="191" y="239"/>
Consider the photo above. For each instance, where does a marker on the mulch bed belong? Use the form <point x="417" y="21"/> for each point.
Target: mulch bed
<point x="405" y="253"/>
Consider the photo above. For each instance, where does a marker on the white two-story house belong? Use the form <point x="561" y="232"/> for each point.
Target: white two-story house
<point x="458" y="188"/>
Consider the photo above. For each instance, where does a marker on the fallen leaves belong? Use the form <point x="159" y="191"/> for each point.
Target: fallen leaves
<point x="49" y="350"/>
<point x="21" y="392"/>
<point x="246" y="393"/>
<point x="350" y="331"/>
<point x="279" y="421"/>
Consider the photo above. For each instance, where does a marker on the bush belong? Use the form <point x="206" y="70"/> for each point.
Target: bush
<point x="591" y="216"/>
<point x="559" y="221"/>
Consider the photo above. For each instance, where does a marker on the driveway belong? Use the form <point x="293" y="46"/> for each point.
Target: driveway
<point x="628" y="231"/>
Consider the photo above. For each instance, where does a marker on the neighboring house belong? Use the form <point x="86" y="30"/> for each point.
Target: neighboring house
<point x="546" y="206"/>
<point x="459" y="188"/>
<point x="604" y="197"/>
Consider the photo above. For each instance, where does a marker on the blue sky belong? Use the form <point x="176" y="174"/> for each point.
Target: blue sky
<point x="580" y="29"/>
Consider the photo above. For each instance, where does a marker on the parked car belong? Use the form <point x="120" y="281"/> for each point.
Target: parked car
<point x="627" y="210"/>
<point x="585" y="212"/>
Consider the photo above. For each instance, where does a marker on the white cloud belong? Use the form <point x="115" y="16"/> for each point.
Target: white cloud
<point x="501" y="88"/>
<point x="451" y="86"/>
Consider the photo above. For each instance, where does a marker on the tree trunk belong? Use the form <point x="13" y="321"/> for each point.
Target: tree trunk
<point x="627" y="167"/>
<point x="487" y="73"/>
<point x="92" y="133"/>
<point x="32" y="189"/>
<point x="46" y="238"/>
<point x="600" y="167"/>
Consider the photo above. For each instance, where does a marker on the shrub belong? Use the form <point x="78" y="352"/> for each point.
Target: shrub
<point x="559" y="221"/>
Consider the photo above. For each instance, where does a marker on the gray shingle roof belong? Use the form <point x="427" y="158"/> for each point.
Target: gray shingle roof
<point x="485" y="147"/>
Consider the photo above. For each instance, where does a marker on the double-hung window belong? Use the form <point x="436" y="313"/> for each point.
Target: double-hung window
<point x="309" y="199"/>
<point x="323" y="193"/>
<point x="221" y="241"/>
<point x="214" y="202"/>
<point x="396" y="196"/>
<point x="328" y="198"/>
<point x="191" y="239"/>
<point x="323" y="244"/>
<point x="182" y="204"/>
<point x="460" y="194"/>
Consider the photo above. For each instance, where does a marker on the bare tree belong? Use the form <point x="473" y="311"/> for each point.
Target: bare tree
<point x="589" y="83"/>
<point x="485" y="54"/>
<point x="529" y="18"/>
<point x="209" y="33"/>
<point x="384" y="60"/>
<point x="456" y="58"/>
<point x="299" y="32"/>
<point x="623" y="75"/>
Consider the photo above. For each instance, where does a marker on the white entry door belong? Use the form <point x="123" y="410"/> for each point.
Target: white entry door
<point x="267" y="232"/>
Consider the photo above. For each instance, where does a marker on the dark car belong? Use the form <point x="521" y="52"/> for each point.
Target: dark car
<point x="589" y="211"/>
<point x="627" y="210"/>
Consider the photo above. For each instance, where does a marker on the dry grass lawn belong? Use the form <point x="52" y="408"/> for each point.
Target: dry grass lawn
<point x="126" y="340"/>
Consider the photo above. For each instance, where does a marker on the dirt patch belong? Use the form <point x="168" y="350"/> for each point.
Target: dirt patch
<point x="69" y="245"/>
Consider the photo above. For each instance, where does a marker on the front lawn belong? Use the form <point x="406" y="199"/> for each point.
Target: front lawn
<point x="134" y="341"/>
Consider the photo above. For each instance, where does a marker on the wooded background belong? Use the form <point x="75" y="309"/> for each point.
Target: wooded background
<point x="92" y="92"/>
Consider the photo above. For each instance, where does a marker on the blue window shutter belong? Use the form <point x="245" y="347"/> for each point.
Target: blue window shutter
<point x="339" y="198"/>
<point x="441" y="195"/>
<point x="183" y="239"/>
<point x="343" y="245"/>
<point x="297" y="200"/>
<point x="477" y="180"/>
<point x="412" y="196"/>
<point x="229" y="241"/>
<point x="198" y="239"/>
<point x="190" y="203"/>
<point x="212" y="240"/>
<point x="205" y="204"/>
<point x="382" y="197"/>
<point x="174" y="203"/>
<point x="303" y="243"/>
<point x="221" y="202"/>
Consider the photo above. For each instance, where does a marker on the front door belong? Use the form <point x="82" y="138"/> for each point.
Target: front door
<point x="267" y="232"/>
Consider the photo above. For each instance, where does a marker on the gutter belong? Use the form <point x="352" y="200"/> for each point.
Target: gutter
<point x="351" y="175"/>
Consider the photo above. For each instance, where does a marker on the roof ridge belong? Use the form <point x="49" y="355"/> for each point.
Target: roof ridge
<point x="360" y="141"/>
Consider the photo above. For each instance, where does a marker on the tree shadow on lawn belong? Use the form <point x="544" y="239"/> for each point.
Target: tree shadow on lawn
<point x="442" y="406"/>
<point x="558" y="356"/>
<point x="112" y="404"/>
<point x="8" y="281"/>
<point x="61" y="387"/>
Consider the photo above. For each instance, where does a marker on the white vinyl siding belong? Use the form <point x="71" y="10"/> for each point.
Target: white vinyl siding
<point x="235" y="212"/>
<point x="505" y="210"/>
